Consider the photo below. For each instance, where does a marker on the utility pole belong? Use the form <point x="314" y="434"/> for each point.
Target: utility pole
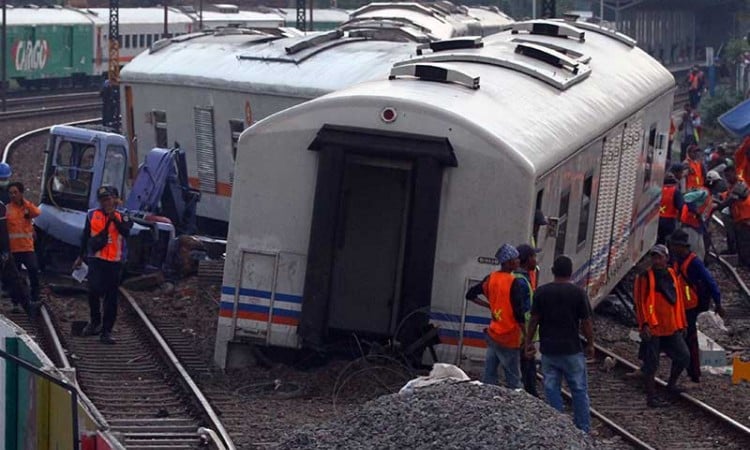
<point x="200" y="16"/>
<point x="3" y="69"/>
<point x="301" y="16"/>
<point x="166" y="26"/>
<point x="311" y="25"/>
<point x="113" y="74"/>
<point x="549" y="9"/>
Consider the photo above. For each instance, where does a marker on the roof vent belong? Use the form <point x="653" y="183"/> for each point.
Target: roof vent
<point x="558" y="48"/>
<point x="549" y="28"/>
<point x="444" y="73"/>
<point x="452" y="44"/>
<point x="549" y="56"/>
<point x="614" y="34"/>
<point x="313" y="41"/>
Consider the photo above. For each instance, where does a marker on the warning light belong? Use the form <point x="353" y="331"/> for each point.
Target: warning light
<point x="388" y="115"/>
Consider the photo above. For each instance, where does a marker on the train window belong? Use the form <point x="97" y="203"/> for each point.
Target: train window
<point x="127" y="41"/>
<point x="114" y="167"/>
<point x="236" y="127"/>
<point x="648" y="158"/>
<point x="160" y="128"/>
<point x="141" y="40"/>
<point x="148" y="40"/>
<point x="73" y="164"/>
<point x="535" y="233"/>
<point x="562" y="223"/>
<point x="156" y="37"/>
<point x="583" y="219"/>
<point x="119" y="41"/>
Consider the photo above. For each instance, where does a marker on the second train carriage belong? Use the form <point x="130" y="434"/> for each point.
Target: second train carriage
<point x="372" y="210"/>
<point x="204" y="90"/>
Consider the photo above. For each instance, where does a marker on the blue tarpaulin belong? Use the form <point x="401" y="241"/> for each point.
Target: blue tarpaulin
<point x="737" y="119"/>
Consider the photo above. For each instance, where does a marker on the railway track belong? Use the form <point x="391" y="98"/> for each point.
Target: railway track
<point x="49" y="111"/>
<point x="619" y="402"/>
<point x="138" y="386"/>
<point x="49" y="100"/>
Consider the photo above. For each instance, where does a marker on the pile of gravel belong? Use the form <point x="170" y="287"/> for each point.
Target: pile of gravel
<point x="448" y="416"/>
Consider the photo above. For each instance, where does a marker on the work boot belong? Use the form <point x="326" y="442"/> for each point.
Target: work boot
<point x="651" y="399"/>
<point x="91" y="330"/>
<point x="106" y="338"/>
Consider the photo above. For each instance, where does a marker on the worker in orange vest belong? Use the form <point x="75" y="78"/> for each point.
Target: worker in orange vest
<point x="699" y="288"/>
<point x="671" y="202"/>
<point x="742" y="158"/>
<point x="696" y="85"/>
<point x="529" y="270"/>
<point x="696" y="170"/>
<point x="20" y="216"/>
<point x="12" y="281"/>
<point x="507" y="294"/>
<point x="694" y="216"/>
<point x="103" y="242"/>
<point x="660" y="310"/>
<point x="737" y="198"/>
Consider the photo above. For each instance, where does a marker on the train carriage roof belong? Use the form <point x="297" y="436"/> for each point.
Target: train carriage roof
<point x="297" y="66"/>
<point x="523" y="104"/>
<point x="140" y="15"/>
<point x="46" y="16"/>
<point x="256" y="62"/>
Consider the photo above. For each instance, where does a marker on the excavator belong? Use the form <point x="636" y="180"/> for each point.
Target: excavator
<point x="160" y="201"/>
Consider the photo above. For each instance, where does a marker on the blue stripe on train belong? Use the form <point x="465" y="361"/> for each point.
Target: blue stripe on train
<point x="245" y="292"/>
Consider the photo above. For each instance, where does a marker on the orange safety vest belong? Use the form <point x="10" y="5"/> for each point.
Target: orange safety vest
<point x="503" y="329"/>
<point x="690" y="294"/>
<point x="740" y="210"/>
<point x="113" y="250"/>
<point x="695" y="219"/>
<point x="740" y="160"/>
<point x="20" y="228"/>
<point x="533" y="279"/>
<point x="667" y="209"/>
<point x="694" y="180"/>
<point x="694" y="80"/>
<point x="652" y="309"/>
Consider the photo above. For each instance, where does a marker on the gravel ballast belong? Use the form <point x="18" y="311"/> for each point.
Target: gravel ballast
<point x="448" y="415"/>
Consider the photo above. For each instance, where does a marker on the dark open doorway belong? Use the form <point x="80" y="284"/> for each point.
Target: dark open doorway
<point x="374" y="229"/>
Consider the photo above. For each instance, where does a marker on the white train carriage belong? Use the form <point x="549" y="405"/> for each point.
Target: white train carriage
<point x="228" y="15"/>
<point x="139" y="28"/>
<point x="371" y="210"/>
<point x="203" y="90"/>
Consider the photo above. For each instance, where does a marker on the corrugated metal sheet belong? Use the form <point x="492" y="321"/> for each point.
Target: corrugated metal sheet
<point x="626" y="187"/>
<point x="605" y="209"/>
<point x="205" y="148"/>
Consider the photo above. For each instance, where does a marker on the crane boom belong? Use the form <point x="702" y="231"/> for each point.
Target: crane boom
<point x="549" y="9"/>
<point x="301" y="15"/>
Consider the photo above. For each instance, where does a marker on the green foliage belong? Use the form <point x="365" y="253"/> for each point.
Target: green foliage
<point x="733" y="50"/>
<point x="723" y="100"/>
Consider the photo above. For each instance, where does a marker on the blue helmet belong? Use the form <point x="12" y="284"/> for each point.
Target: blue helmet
<point x="5" y="170"/>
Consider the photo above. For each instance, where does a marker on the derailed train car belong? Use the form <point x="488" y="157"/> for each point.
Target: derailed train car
<point x="372" y="209"/>
<point x="203" y="90"/>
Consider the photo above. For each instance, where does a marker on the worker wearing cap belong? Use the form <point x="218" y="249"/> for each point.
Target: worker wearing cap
<point x="20" y="214"/>
<point x="660" y="310"/>
<point x="105" y="263"/>
<point x="529" y="271"/>
<point x="699" y="288"/>
<point x="671" y="202"/>
<point x="506" y="295"/>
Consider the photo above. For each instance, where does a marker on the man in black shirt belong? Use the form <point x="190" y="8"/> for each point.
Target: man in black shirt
<point x="561" y="309"/>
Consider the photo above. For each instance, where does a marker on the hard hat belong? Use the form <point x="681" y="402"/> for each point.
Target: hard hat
<point x="713" y="175"/>
<point x="5" y="170"/>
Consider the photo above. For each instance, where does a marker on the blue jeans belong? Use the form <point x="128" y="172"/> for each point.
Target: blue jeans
<point x="509" y="358"/>
<point x="573" y="368"/>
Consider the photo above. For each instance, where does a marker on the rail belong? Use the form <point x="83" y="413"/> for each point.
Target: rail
<point x="685" y="396"/>
<point x="26" y="113"/>
<point x="21" y="137"/>
<point x="203" y="403"/>
<point x="41" y="99"/>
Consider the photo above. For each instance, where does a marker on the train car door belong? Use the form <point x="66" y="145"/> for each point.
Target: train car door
<point x="370" y="235"/>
